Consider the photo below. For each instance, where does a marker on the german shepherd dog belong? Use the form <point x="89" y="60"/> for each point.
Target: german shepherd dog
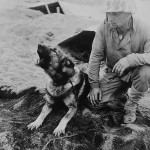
<point x="66" y="83"/>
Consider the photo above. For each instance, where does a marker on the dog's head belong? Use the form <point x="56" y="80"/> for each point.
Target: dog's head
<point x="55" y="63"/>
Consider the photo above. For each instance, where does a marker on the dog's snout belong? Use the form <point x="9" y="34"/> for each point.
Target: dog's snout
<point x="40" y="49"/>
<point x="40" y="46"/>
<point x="43" y="52"/>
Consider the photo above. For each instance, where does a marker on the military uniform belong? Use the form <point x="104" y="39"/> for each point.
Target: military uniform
<point x="109" y="47"/>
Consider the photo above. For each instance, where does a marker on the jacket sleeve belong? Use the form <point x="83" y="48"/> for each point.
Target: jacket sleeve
<point x="97" y="55"/>
<point x="143" y="58"/>
<point x="136" y="59"/>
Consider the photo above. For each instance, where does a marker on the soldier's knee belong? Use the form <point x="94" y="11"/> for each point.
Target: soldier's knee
<point x="141" y="78"/>
<point x="143" y="72"/>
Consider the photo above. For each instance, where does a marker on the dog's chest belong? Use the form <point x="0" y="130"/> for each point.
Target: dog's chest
<point x="62" y="90"/>
<point x="57" y="91"/>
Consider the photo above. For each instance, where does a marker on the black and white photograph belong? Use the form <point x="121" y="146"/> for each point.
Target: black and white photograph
<point x="74" y="74"/>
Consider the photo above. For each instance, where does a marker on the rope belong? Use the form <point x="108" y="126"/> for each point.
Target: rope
<point x="74" y="92"/>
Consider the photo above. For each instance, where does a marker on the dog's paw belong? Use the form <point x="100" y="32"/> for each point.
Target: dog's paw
<point x="59" y="130"/>
<point x="33" y="125"/>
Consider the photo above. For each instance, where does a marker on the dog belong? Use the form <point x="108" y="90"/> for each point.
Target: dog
<point x="66" y="83"/>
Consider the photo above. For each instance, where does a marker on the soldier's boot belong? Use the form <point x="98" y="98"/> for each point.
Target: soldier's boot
<point x="130" y="112"/>
<point x="131" y="105"/>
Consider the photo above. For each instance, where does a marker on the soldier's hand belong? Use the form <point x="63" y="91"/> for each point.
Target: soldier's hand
<point x="94" y="95"/>
<point x="121" y="66"/>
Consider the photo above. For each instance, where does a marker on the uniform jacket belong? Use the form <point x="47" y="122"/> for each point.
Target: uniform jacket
<point x="135" y="46"/>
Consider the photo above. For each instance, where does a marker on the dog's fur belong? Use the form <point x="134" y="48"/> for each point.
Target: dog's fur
<point x="66" y="83"/>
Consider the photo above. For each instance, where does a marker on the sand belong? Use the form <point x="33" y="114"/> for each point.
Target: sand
<point x="21" y="30"/>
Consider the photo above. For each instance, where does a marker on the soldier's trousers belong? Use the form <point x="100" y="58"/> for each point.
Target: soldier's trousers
<point x="138" y="79"/>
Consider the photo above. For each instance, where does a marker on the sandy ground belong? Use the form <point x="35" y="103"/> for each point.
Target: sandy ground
<point x="21" y="30"/>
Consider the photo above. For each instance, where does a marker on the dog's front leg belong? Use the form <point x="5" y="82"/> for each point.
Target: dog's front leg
<point x="47" y="108"/>
<point x="71" y="103"/>
<point x="38" y="122"/>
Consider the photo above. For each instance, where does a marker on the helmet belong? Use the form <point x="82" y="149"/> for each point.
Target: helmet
<point x="120" y="6"/>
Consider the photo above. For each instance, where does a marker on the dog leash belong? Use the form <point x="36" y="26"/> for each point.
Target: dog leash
<point x="74" y="92"/>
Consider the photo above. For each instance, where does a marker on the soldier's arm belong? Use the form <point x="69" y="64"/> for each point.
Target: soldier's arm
<point x="143" y="58"/>
<point x="97" y="55"/>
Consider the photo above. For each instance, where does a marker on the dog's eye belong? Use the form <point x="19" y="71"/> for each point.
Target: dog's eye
<point x="68" y="63"/>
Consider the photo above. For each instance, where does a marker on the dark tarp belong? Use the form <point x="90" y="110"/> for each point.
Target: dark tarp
<point x="80" y="44"/>
<point x="52" y="7"/>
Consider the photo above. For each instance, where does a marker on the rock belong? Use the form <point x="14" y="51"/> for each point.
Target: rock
<point x="18" y="105"/>
<point x="6" y="141"/>
<point x="1" y="105"/>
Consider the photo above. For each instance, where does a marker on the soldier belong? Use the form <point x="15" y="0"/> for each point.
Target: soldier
<point x="123" y="42"/>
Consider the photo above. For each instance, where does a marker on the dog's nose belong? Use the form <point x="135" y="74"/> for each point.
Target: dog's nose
<point x="40" y="49"/>
<point x="40" y="46"/>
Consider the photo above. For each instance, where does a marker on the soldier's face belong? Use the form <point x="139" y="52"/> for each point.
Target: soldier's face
<point x="118" y="19"/>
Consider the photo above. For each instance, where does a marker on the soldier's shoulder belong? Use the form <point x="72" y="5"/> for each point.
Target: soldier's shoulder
<point x="141" y="24"/>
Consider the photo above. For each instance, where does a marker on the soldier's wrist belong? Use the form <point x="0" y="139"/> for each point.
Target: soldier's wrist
<point x="94" y="85"/>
